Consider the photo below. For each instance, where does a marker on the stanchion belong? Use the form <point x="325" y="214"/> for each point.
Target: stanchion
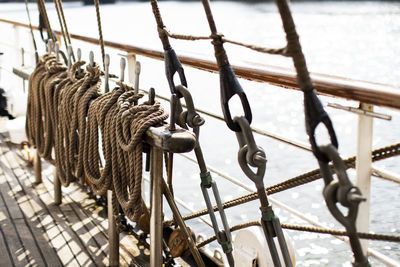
<point x="113" y="236"/>
<point x="156" y="233"/>
<point x="162" y="139"/>
<point x="57" y="188"/>
<point x="38" y="168"/>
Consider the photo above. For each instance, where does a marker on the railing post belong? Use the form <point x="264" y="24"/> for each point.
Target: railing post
<point x="364" y="170"/>
<point x="113" y="236"/>
<point x="57" y="188"/>
<point x="156" y="233"/>
<point x="38" y="168"/>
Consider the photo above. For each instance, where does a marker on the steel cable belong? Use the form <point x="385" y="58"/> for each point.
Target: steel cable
<point x="378" y="154"/>
<point x="319" y="230"/>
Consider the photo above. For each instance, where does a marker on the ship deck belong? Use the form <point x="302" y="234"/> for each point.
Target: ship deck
<point x="36" y="232"/>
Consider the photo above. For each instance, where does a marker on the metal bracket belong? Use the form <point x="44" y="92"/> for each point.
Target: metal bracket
<point x="361" y="111"/>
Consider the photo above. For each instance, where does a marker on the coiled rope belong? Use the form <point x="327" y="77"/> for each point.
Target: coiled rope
<point x="66" y="110"/>
<point x="39" y="121"/>
<point x="130" y="123"/>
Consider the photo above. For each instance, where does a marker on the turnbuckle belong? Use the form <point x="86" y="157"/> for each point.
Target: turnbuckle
<point x="342" y="191"/>
<point x="190" y="118"/>
<point x="252" y="155"/>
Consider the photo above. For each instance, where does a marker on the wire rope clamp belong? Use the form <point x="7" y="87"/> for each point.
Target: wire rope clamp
<point x="269" y="215"/>
<point x="206" y="179"/>
<point x="224" y="241"/>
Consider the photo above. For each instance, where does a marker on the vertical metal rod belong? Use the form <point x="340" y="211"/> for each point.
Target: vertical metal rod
<point x="107" y="74"/>
<point x="113" y="236"/>
<point x="210" y="209"/>
<point x="57" y="188"/>
<point x="221" y="209"/>
<point x="364" y="170"/>
<point x="137" y="75"/>
<point x="282" y="243"/>
<point x="156" y="172"/>
<point x="38" y="168"/>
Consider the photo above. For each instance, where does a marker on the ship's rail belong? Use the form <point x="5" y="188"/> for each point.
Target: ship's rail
<point x="366" y="93"/>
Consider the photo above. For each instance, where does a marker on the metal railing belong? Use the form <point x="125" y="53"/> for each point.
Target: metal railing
<point x="367" y="94"/>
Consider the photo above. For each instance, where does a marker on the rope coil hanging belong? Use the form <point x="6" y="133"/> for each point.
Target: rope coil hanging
<point x="129" y="123"/>
<point x="65" y="111"/>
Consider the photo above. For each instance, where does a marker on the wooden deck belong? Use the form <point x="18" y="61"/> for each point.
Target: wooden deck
<point x="35" y="232"/>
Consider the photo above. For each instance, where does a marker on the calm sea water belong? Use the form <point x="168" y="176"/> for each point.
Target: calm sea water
<point x="359" y="40"/>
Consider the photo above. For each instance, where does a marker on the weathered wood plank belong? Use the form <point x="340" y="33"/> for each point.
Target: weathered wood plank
<point x="21" y="220"/>
<point x="65" y="242"/>
<point x="54" y="232"/>
<point x="11" y="236"/>
<point x="78" y="213"/>
<point x="76" y="243"/>
<point x="85" y="207"/>
<point x="128" y="249"/>
<point x="34" y="212"/>
<point x="5" y="255"/>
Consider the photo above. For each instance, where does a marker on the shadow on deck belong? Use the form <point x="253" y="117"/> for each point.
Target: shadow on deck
<point x="35" y="232"/>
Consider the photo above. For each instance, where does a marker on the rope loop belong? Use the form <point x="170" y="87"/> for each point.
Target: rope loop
<point x="73" y="77"/>
<point x="93" y="73"/>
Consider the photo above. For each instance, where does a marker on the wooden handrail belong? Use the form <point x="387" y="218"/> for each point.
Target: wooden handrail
<point x="366" y="92"/>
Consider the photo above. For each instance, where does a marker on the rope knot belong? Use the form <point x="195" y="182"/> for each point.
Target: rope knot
<point x="73" y="72"/>
<point x="124" y="86"/>
<point x="94" y="73"/>
<point x="53" y="66"/>
<point x="162" y="32"/>
<point x="217" y="39"/>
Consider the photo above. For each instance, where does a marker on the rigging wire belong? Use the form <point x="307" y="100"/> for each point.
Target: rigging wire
<point x="31" y="30"/>
<point x="42" y="10"/>
<point x="65" y="25"/>
<point x="378" y="154"/>
<point x="101" y="41"/>
<point x="61" y="24"/>
<point x="311" y="229"/>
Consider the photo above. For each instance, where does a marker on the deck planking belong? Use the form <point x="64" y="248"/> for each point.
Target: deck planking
<point x="35" y="232"/>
